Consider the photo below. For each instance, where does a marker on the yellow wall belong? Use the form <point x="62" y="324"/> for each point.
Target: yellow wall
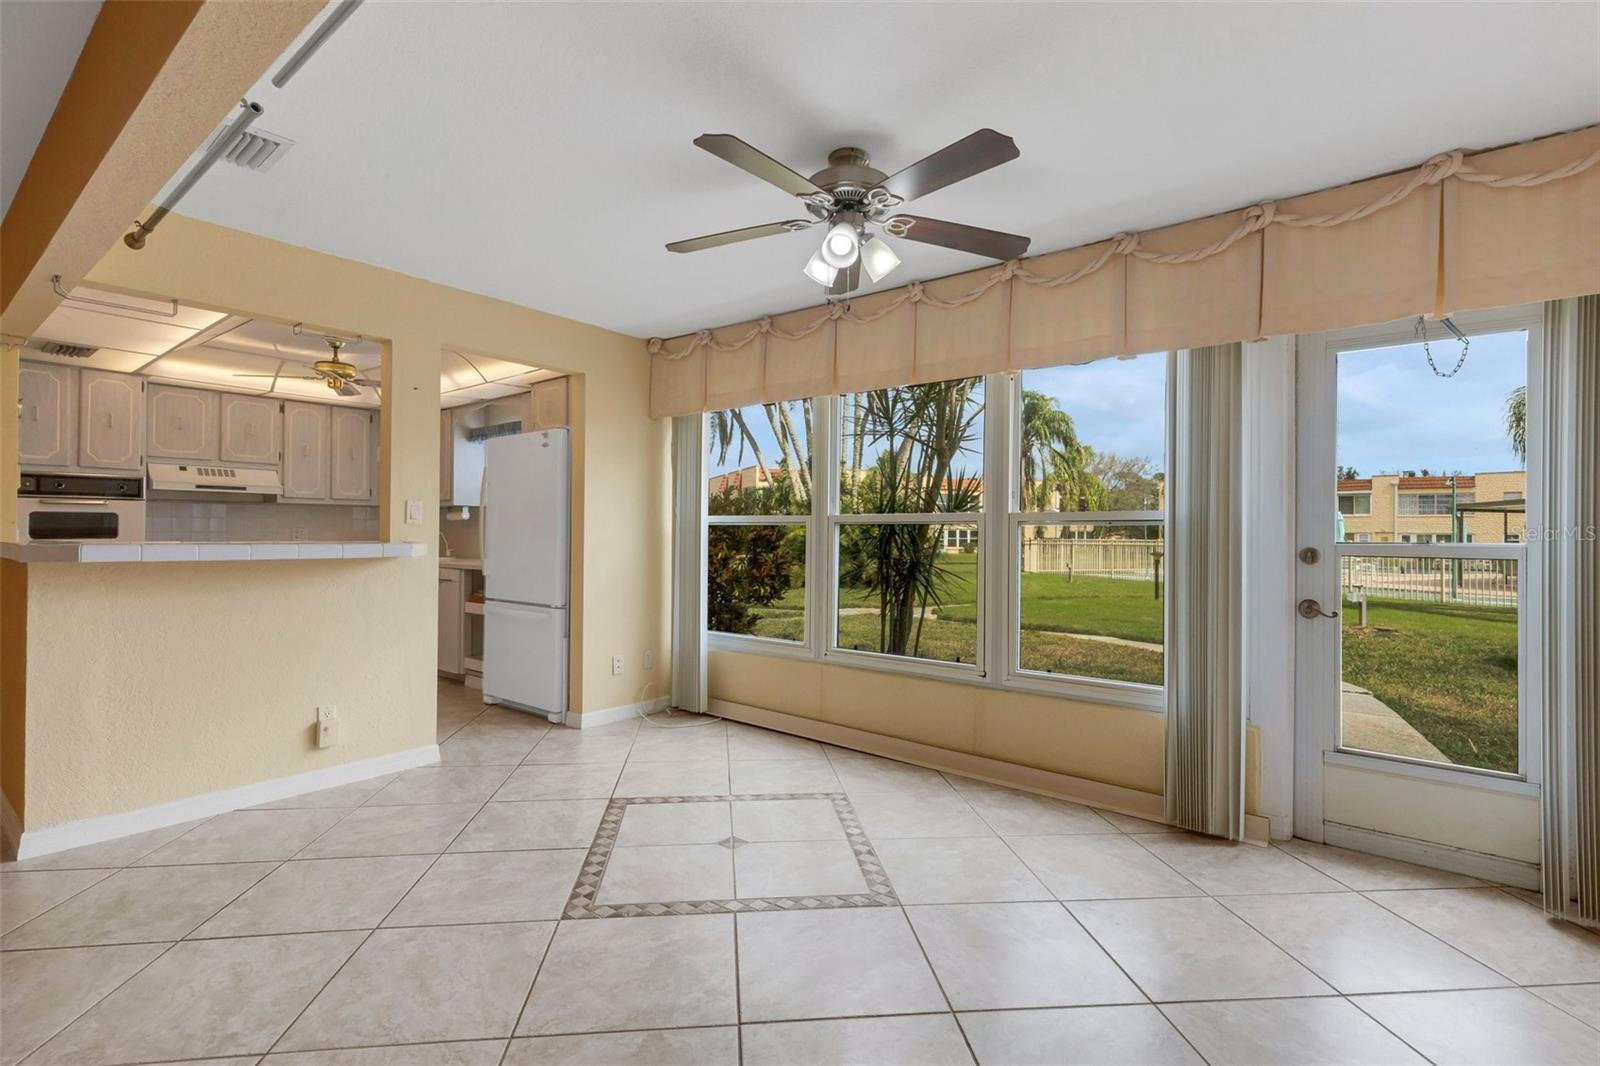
<point x="13" y="681"/>
<point x="1116" y="745"/>
<point x="152" y="682"/>
<point x="197" y="677"/>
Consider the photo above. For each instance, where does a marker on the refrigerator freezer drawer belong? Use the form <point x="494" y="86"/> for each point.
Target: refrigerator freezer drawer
<point x="525" y="656"/>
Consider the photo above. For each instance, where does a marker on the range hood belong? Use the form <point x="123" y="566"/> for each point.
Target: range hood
<point x="196" y="478"/>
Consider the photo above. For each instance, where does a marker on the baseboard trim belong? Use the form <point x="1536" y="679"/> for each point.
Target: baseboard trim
<point x="1495" y="868"/>
<point x="53" y="838"/>
<point x="611" y="715"/>
<point x="1146" y="805"/>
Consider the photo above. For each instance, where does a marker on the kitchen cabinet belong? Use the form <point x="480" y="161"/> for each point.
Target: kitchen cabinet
<point x="181" y="424"/>
<point x="352" y="469"/>
<point x="252" y="430"/>
<point x="547" y="405"/>
<point x="47" y="413"/>
<point x="306" y="466"/>
<point x="110" y="420"/>
<point x="460" y="457"/>
<point x="452" y="621"/>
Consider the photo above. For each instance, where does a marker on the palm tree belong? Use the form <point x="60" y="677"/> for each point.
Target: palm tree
<point x="1053" y="457"/>
<point x="1517" y="421"/>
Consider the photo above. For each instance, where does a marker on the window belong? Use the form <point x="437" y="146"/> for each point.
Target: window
<point x="1431" y="633"/>
<point x="1432" y="503"/>
<point x="1090" y="532"/>
<point x="864" y="528"/>
<point x="907" y="575"/>
<point x="1355" y="503"/>
<point x="758" y="499"/>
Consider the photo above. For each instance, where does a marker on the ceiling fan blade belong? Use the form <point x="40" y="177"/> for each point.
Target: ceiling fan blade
<point x="846" y="280"/>
<point x="347" y="389"/>
<point x="989" y="242"/>
<point x="734" y="236"/>
<point x="284" y="377"/>
<point x="972" y="154"/>
<point x="730" y="148"/>
<point x="368" y="382"/>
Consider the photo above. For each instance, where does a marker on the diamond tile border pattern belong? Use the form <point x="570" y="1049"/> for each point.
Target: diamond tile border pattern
<point x="582" y="902"/>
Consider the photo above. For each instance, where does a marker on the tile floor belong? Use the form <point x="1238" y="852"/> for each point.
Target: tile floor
<point x="842" y="908"/>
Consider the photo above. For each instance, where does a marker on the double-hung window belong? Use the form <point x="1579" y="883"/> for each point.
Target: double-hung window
<point x="1006" y="530"/>
<point x="758" y="507"/>
<point x="1088" y="526"/>
<point x="906" y="533"/>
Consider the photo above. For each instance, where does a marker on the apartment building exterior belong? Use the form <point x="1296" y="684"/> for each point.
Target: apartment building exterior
<point x="1484" y="508"/>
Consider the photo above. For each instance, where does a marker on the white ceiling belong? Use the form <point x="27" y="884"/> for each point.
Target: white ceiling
<point x="184" y="345"/>
<point x="39" y="44"/>
<point x="541" y="152"/>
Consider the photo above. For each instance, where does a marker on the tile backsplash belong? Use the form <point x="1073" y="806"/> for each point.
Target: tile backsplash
<point x="193" y="521"/>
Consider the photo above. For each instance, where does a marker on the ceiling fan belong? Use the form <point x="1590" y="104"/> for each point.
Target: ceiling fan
<point x="849" y="195"/>
<point x="338" y="375"/>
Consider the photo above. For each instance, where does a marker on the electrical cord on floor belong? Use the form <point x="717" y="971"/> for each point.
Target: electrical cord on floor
<point x="644" y="694"/>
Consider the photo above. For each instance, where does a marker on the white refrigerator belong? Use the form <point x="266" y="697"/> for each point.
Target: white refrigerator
<point x="526" y="562"/>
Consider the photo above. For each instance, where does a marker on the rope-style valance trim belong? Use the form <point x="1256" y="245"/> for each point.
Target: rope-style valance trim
<point x="1253" y="220"/>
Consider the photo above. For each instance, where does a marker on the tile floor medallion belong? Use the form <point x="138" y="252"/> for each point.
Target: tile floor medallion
<point x="587" y="901"/>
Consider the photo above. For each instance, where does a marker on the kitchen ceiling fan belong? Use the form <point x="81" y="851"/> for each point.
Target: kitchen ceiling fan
<point x="338" y="375"/>
<point x="849" y="195"/>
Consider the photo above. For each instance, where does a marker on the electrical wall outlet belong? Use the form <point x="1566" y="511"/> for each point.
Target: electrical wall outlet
<point x="327" y="725"/>
<point x="299" y="533"/>
<point x="616" y="665"/>
<point x="413" y="512"/>
<point x="649" y="659"/>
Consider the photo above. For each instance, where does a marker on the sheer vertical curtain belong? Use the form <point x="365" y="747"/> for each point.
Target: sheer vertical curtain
<point x="689" y="563"/>
<point x="1570" y="436"/>
<point x="1205" y="686"/>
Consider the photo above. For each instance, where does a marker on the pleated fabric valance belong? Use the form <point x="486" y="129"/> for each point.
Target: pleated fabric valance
<point x="1496" y="228"/>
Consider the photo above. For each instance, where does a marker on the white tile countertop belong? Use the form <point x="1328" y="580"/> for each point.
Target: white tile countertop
<point x="209" y="551"/>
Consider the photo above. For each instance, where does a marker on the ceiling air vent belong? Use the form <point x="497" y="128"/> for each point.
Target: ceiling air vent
<point x="66" y="351"/>
<point x="254" y="148"/>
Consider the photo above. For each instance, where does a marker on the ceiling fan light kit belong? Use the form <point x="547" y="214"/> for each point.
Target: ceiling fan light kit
<point x="849" y="195"/>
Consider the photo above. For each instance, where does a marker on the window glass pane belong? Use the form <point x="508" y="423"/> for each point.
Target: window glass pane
<point x="914" y="449"/>
<point x="1425" y="450"/>
<point x="910" y="590"/>
<point x="1429" y="659"/>
<point x="756" y="581"/>
<point x="1093" y="601"/>
<point x="760" y="459"/>
<point x="1094" y="436"/>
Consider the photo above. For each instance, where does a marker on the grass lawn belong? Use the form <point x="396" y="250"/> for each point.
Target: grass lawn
<point x="1053" y="609"/>
<point x="1448" y="670"/>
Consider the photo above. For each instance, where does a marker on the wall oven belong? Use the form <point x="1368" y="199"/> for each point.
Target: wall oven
<point x="80" y="507"/>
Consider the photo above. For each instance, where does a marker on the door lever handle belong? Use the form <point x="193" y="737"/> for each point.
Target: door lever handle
<point x="1313" y="609"/>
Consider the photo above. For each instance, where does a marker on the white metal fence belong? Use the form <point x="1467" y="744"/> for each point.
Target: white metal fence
<point x="1477" y="582"/>
<point x="1109" y="557"/>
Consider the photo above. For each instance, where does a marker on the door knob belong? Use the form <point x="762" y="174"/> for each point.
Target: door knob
<point x="1313" y="609"/>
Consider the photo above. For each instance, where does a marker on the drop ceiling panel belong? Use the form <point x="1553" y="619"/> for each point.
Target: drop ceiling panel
<point x="74" y="325"/>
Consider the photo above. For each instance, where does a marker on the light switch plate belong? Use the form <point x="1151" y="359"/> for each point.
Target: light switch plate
<point x="413" y="512"/>
<point x="649" y="659"/>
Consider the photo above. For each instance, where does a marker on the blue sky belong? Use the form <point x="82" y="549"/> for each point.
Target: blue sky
<point x="1395" y="415"/>
<point x="1117" y="405"/>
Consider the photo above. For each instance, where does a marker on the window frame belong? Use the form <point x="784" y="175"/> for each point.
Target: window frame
<point x="998" y="577"/>
<point x="745" y="642"/>
<point x="1529" y="559"/>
